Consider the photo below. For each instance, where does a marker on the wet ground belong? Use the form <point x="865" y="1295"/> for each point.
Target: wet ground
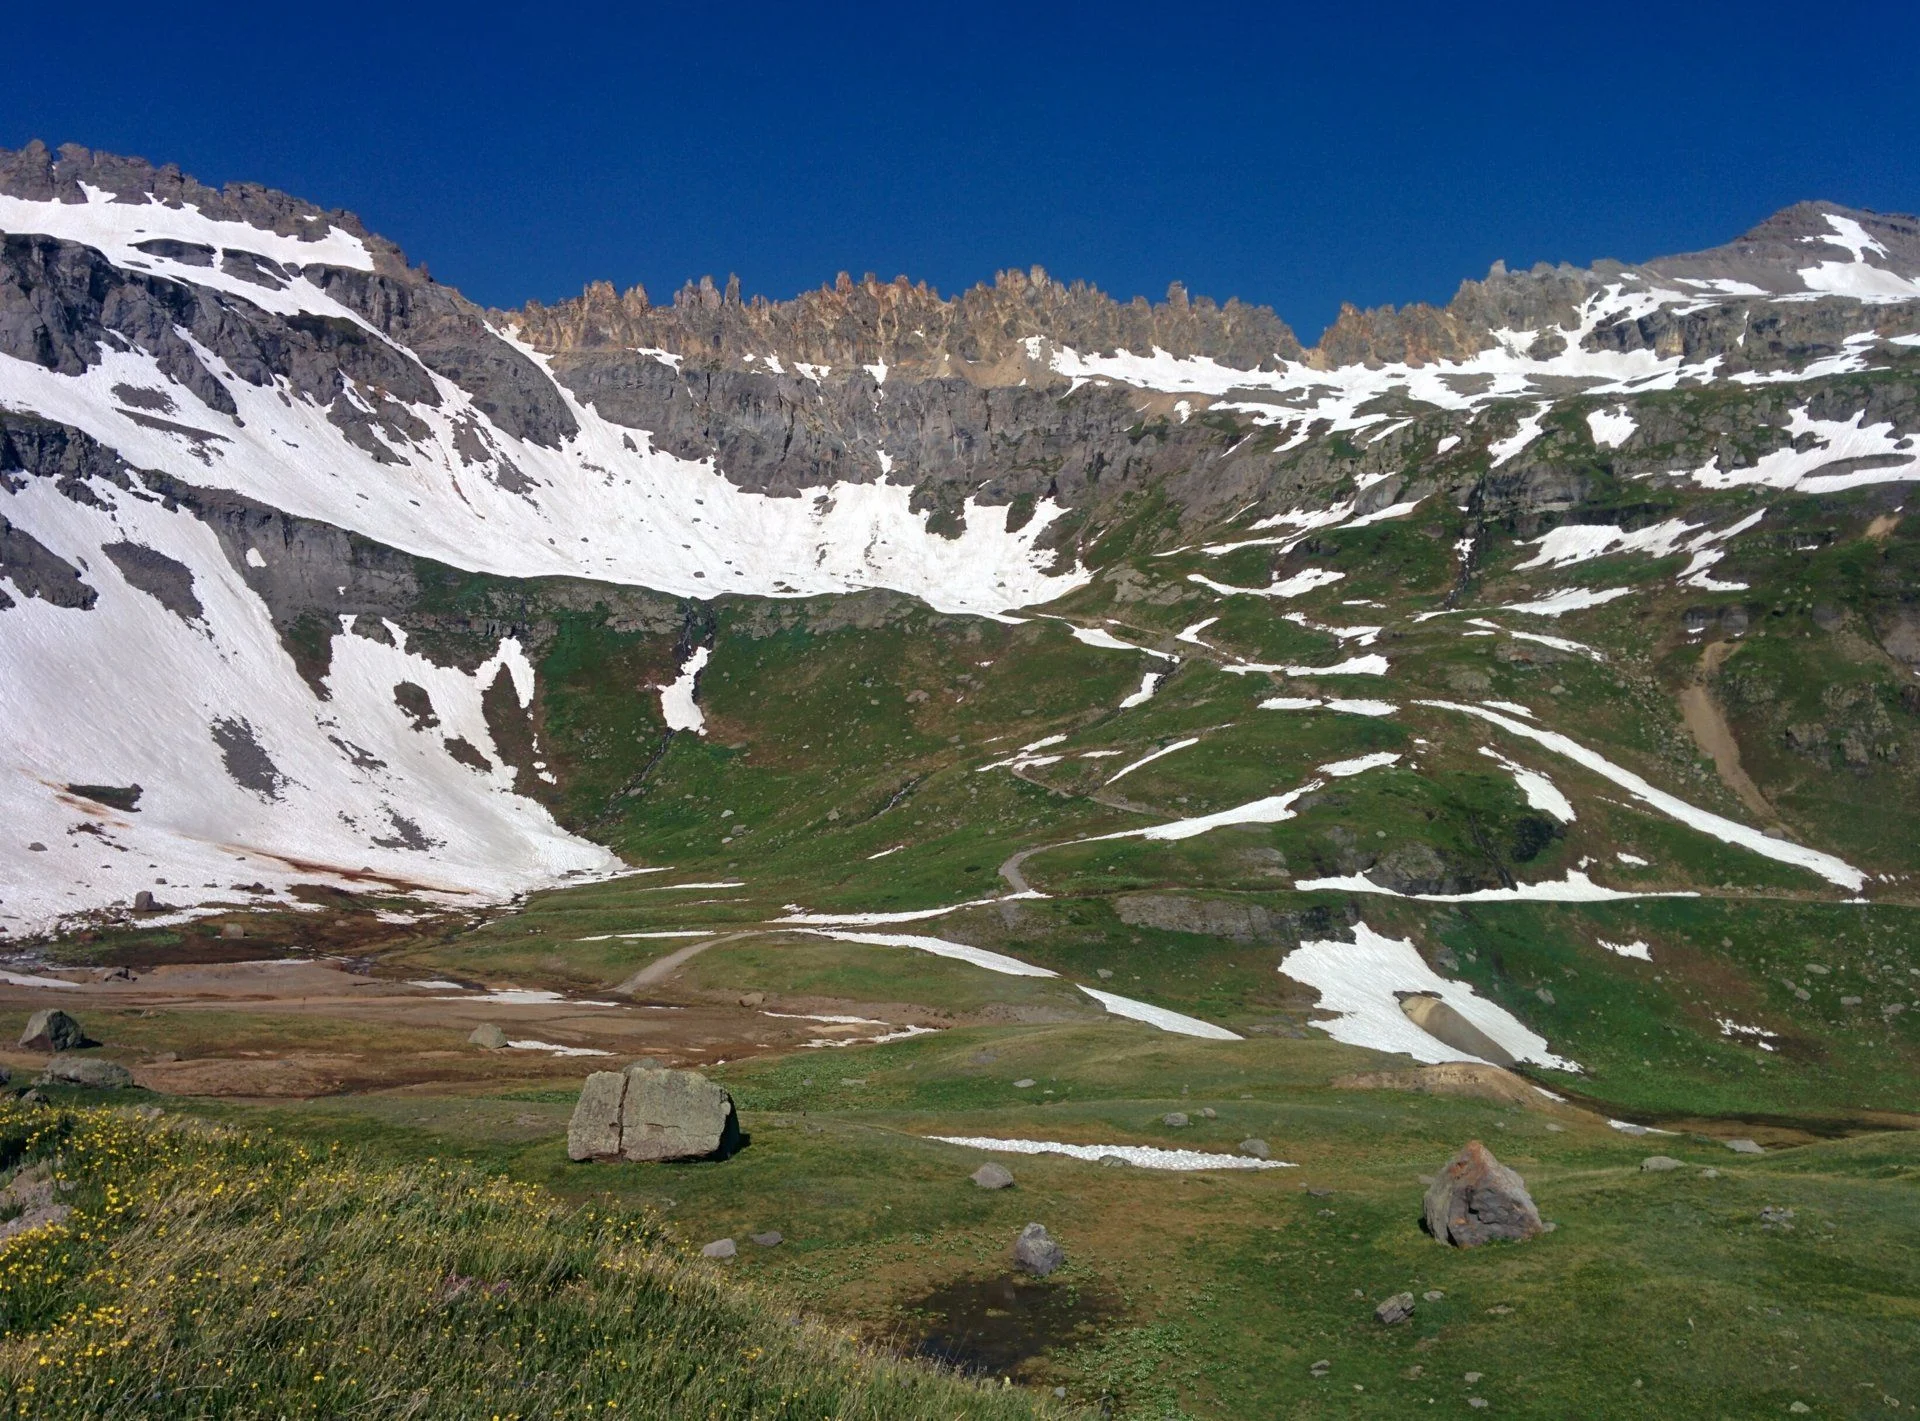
<point x="996" y="1326"/>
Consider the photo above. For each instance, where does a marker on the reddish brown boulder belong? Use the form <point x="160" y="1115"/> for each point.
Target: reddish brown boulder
<point x="1477" y="1199"/>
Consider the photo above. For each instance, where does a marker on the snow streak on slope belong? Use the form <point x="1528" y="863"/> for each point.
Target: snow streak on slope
<point x="1362" y="982"/>
<point x="244" y="775"/>
<point x="1834" y="870"/>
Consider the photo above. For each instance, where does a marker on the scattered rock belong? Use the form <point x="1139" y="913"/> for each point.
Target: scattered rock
<point x="1396" y="1309"/>
<point x="1105" y="974"/>
<point x="1476" y="1200"/>
<point x="1036" y="1252"/>
<point x="720" y="1248"/>
<point x="33" y="1097"/>
<point x="1709" y="1173"/>
<point x="1433" y="1295"/>
<point x="1320" y="1368"/>
<point x="1471" y="1377"/>
<point x="646" y="1114"/>
<point x="1775" y="1216"/>
<point x="1800" y="1408"/>
<point x="1256" y="1147"/>
<point x="753" y="999"/>
<point x="50" y="1029"/>
<point x="1207" y="1113"/>
<point x="489" y="1036"/>
<point x="1024" y="1083"/>
<point x="1659" y="1164"/>
<point x="1319" y="1193"/>
<point x="1744" y="1147"/>
<point x="772" y="1238"/>
<point x="143" y="902"/>
<point x="233" y="930"/>
<point x="30" y="1193"/>
<point x="1176" y="1119"/>
<point x="1114" y="1161"/>
<point x="36" y="847"/>
<point x="85" y="1071"/>
<point x="992" y="1176"/>
<point x="166" y="1058"/>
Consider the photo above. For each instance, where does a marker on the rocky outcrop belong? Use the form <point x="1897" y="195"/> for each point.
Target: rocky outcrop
<point x="1213" y="917"/>
<point x="643" y="1113"/>
<point x="1477" y="1200"/>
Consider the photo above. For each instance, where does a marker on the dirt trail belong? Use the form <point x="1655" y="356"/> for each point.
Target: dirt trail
<point x="1712" y="733"/>
<point x="665" y="966"/>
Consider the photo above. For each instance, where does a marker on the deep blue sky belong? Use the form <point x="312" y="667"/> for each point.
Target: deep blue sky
<point x="1294" y="155"/>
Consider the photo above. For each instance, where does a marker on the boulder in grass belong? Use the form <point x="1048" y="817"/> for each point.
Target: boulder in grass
<point x="720" y="1248"/>
<point x="1037" y="1252"/>
<point x="992" y="1176"/>
<point x="1258" y="1148"/>
<point x="1659" y="1164"/>
<point x="1396" y="1309"/>
<point x="490" y="1037"/>
<point x="1476" y="1200"/>
<point x="51" y="1029"/>
<point x="645" y="1114"/>
<point x="86" y="1071"/>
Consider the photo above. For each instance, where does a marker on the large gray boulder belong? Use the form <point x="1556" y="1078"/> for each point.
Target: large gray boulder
<point x="1476" y="1199"/>
<point x="51" y="1029"/>
<point x="643" y="1113"/>
<point x="1036" y="1252"/>
<point x="87" y="1071"/>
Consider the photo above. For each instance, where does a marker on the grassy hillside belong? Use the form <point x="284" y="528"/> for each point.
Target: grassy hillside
<point x="207" y="1271"/>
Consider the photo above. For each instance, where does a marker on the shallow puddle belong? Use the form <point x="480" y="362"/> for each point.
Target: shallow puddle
<point x="993" y="1326"/>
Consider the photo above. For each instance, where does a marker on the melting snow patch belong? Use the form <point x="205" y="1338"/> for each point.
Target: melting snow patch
<point x="34" y="979"/>
<point x="938" y="947"/>
<point x="912" y="915"/>
<point x="1541" y="792"/>
<point x="1529" y="430"/>
<point x="1632" y="860"/>
<point x="1166" y="1020"/>
<point x="1345" y="707"/>
<point x="1297" y="585"/>
<point x="1107" y="641"/>
<point x="1150" y="758"/>
<point x="676" y="699"/>
<point x="1576" y="887"/>
<point x="1575" y="599"/>
<point x="1362" y="982"/>
<point x="1611" y="428"/>
<point x="1148" y="684"/>
<point x="1345" y="769"/>
<point x="1636" y="948"/>
<point x="556" y="1050"/>
<point x="1144" y="1156"/>
<point x="1759" y="1035"/>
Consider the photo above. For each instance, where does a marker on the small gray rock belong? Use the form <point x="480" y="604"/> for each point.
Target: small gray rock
<point x="1396" y="1309"/>
<point x="1176" y="1119"/>
<point x="1036" y="1252"/>
<point x="993" y="1176"/>
<point x="143" y="902"/>
<point x="1774" y="1216"/>
<point x="1208" y="1113"/>
<point x="1433" y="1295"/>
<point x="489" y="1036"/>
<point x="772" y="1238"/>
<point x="1709" y="1173"/>
<point x="1659" y="1164"/>
<point x="1258" y="1148"/>
<point x="1114" y="1161"/>
<point x="720" y="1248"/>
<point x="1024" y="1083"/>
<point x="86" y="1071"/>
<point x="51" y="1029"/>
<point x="1103" y="973"/>
<point x="1745" y="1147"/>
<point x="36" y="847"/>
